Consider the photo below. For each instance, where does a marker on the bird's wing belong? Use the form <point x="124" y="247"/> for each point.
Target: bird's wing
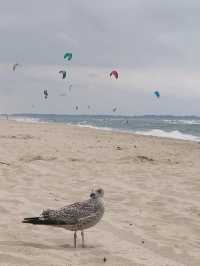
<point x="71" y="214"/>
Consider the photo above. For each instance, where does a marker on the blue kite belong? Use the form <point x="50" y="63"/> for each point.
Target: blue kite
<point x="157" y="93"/>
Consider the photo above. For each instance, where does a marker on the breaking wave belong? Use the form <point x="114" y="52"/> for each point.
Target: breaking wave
<point x="171" y="134"/>
<point x="182" y="122"/>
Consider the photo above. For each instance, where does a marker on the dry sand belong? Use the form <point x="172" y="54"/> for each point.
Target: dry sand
<point x="152" y="196"/>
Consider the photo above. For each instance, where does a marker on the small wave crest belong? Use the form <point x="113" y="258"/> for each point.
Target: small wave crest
<point x="94" y="127"/>
<point x="182" y="122"/>
<point x="171" y="134"/>
<point x="26" y="119"/>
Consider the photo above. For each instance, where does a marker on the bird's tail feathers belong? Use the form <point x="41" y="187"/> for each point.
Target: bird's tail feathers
<point x="34" y="220"/>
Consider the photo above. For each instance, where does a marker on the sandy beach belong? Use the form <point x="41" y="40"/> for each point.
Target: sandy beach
<point x="152" y="196"/>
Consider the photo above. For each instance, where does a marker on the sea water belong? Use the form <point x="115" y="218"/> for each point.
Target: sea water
<point x="177" y="127"/>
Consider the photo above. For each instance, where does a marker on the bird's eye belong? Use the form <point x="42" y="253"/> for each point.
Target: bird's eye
<point x="92" y="195"/>
<point x="99" y="191"/>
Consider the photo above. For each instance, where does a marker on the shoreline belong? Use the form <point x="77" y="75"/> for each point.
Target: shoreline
<point x="109" y="129"/>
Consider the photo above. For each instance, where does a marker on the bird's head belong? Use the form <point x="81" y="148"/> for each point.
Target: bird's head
<point x="98" y="193"/>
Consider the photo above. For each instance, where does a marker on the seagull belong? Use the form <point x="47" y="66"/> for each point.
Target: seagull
<point x="75" y="217"/>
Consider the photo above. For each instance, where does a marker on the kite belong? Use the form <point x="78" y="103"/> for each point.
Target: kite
<point x="45" y="94"/>
<point x="115" y="74"/>
<point x="157" y="93"/>
<point x="14" y="66"/>
<point x="63" y="72"/>
<point x="68" y="56"/>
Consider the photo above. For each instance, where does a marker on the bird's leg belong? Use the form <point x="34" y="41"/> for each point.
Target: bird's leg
<point x="75" y="237"/>
<point x="83" y="241"/>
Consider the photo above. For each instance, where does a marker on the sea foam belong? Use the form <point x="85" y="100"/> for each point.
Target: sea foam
<point x="171" y="134"/>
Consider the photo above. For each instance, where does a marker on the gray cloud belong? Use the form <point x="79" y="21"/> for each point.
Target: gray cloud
<point x="153" y="44"/>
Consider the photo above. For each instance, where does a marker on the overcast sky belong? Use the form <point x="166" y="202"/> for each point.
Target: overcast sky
<point x="154" y="45"/>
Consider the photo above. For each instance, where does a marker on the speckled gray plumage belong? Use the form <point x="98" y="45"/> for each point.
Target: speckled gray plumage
<point x="77" y="216"/>
<point x="74" y="217"/>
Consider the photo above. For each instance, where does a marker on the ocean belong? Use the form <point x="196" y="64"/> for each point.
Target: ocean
<point x="177" y="127"/>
